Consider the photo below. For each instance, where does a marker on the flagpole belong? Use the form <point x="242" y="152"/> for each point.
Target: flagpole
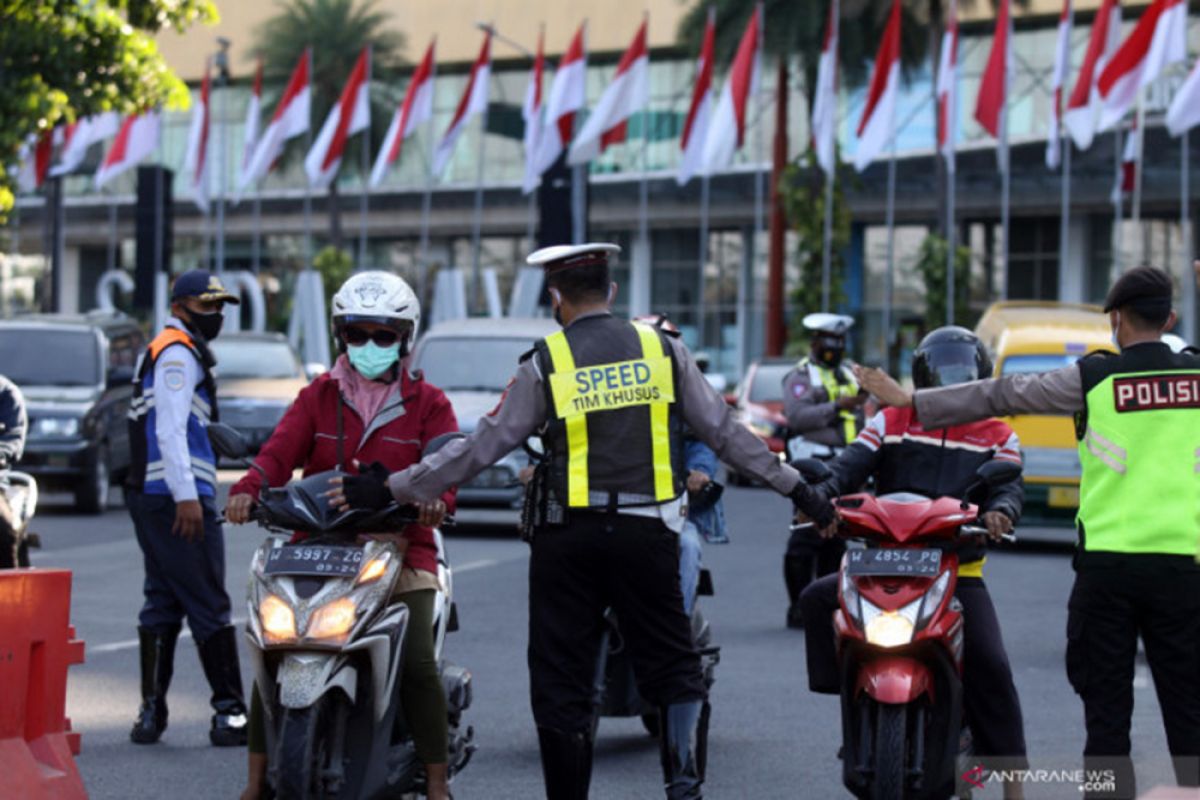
<point x="1064" y="234"/>
<point x="1117" y="205"/>
<point x="365" y="170"/>
<point x="477" y="217"/>
<point x="951" y="241"/>
<point x="760" y="184"/>
<point x="1135" y="210"/>
<point x="427" y="200"/>
<point x="308" y="235"/>
<point x="222" y="127"/>
<point x="703" y="250"/>
<point x="1005" y="189"/>
<point x="827" y="236"/>
<point x="256" y="246"/>
<point x="891" y="240"/>
<point x="1185" y="230"/>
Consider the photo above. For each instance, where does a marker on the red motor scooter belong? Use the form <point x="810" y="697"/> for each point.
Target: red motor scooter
<point x="900" y="633"/>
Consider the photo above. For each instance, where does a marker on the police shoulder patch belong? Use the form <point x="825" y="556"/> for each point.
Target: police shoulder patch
<point x="174" y="378"/>
<point x="799" y="389"/>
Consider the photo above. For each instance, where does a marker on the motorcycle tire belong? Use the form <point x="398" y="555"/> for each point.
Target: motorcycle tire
<point x="891" y="753"/>
<point x="301" y="754"/>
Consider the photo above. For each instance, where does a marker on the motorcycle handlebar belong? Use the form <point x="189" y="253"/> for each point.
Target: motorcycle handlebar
<point x="965" y="530"/>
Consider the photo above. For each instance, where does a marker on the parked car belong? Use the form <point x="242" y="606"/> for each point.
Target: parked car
<point x="759" y="404"/>
<point x="76" y="373"/>
<point x="258" y="377"/>
<point x="472" y="360"/>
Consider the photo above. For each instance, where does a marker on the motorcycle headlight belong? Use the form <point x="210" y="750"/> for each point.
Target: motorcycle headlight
<point x="278" y="620"/>
<point x="933" y="598"/>
<point x="373" y="570"/>
<point x="55" y="427"/>
<point x="889" y="628"/>
<point x="333" y="620"/>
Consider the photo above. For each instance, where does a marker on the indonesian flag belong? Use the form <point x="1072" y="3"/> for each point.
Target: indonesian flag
<point x="1080" y="117"/>
<point x="1184" y="112"/>
<point x="993" y="89"/>
<point x="531" y="112"/>
<point x="877" y="127"/>
<point x="79" y="136"/>
<point x="1127" y="172"/>
<point x="626" y="94"/>
<point x="290" y="119"/>
<point x="568" y="93"/>
<point x="695" y="129"/>
<point x="416" y="109"/>
<point x="35" y="162"/>
<point x="947" y="89"/>
<point x="474" y="101"/>
<point x="253" y="113"/>
<point x="351" y="115"/>
<point x="728" y="128"/>
<point x="1158" y="40"/>
<point x="137" y="138"/>
<point x="195" y="161"/>
<point x="824" y="116"/>
<point x="1058" y="79"/>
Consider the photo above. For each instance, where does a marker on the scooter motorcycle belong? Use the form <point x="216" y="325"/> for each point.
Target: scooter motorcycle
<point x="326" y="644"/>
<point x="899" y="635"/>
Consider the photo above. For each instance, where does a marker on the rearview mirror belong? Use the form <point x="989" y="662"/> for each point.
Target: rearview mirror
<point x="438" y="442"/>
<point x="227" y="442"/>
<point x="997" y="472"/>
<point x="812" y="470"/>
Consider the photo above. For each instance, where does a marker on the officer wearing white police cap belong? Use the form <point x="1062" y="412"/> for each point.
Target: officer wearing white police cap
<point x="609" y="398"/>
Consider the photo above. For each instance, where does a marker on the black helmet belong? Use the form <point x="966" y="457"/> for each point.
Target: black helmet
<point x="950" y="355"/>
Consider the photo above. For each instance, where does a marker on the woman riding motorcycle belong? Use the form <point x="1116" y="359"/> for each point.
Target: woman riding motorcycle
<point x="370" y="411"/>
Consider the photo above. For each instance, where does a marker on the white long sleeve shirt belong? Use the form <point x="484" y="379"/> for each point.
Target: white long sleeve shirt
<point x="176" y="375"/>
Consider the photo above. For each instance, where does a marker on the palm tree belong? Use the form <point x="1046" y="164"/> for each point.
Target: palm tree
<point x="337" y="31"/>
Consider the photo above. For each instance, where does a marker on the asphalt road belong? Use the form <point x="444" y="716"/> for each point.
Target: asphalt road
<point x="770" y="738"/>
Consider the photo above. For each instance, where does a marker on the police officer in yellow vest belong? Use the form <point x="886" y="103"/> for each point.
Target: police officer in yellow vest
<point x="1137" y="418"/>
<point x="609" y="399"/>
<point x="823" y="406"/>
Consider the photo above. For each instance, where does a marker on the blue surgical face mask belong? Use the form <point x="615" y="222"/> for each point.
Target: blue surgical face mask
<point x="370" y="360"/>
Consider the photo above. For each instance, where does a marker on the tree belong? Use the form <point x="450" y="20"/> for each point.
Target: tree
<point x="60" y="61"/>
<point x="337" y="31"/>
<point x="931" y="263"/>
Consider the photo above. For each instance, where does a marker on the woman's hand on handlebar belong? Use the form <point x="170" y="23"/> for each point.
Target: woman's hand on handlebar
<point x="431" y="515"/>
<point x="997" y="523"/>
<point x="237" y="510"/>
<point x="828" y="532"/>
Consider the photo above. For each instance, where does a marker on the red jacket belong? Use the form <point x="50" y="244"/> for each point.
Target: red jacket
<point x="307" y="437"/>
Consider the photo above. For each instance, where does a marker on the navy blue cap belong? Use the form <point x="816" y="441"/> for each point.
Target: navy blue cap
<point x="201" y="284"/>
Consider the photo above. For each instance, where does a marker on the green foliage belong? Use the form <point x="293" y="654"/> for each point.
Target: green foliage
<point x="335" y="266"/>
<point x="60" y="61"/>
<point x="931" y="263"/>
<point x="803" y="193"/>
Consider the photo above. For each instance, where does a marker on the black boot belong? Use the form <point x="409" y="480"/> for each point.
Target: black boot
<point x="219" y="657"/>
<point x="566" y="763"/>
<point x="158" y="664"/>
<point x="797" y="574"/>
<point x="683" y="738"/>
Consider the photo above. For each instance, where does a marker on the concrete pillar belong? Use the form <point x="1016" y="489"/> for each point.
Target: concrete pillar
<point x="1073" y="273"/>
<point x="69" y="296"/>
<point x="745" y="297"/>
<point x="640" y="301"/>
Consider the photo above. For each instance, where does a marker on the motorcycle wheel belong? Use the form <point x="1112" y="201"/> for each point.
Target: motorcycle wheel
<point x="301" y="754"/>
<point x="891" y="750"/>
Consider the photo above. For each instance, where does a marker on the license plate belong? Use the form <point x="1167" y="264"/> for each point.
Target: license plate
<point x="893" y="561"/>
<point x="1063" y="497"/>
<point x="336" y="562"/>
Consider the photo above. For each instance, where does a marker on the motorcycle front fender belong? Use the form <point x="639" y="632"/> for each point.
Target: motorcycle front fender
<point x="895" y="680"/>
<point x="304" y="678"/>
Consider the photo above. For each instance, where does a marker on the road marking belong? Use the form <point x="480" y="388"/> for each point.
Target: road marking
<point x="129" y="644"/>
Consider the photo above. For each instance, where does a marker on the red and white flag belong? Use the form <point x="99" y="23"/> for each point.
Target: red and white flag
<point x="824" y="115"/>
<point x="137" y="138"/>
<point x="990" y="105"/>
<point x="695" y="128"/>
<point x="728" y="128"/>
<point x="1084" y="103"/>
<point x="1058" y="79"/>
<point x="416" y="109"/>
<point x="35" y="162"/>
<point x="878" y="124"/>
<point x="291" y="118"/>
<point x="568" y="93"/>
<point x="1158" y="40"/>
<point x="474" y="101"/>
<point x="627" y="93"/>
<point x="195" y="160"/>
<point x="947" y="89"/>
<point x="350" y="115"/>
<point x="253" y="115"/>
<point x="1184" y="112"/>
<point x="1127" y="172"/>
<point x="531" y="113"/>
<point x="79" y="136"/>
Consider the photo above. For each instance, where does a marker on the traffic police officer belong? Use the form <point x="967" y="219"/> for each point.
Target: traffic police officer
<point x="171" y="496"/>
<point x="1137" y="419"/>
<point x="609" y="398"/>
<point x="823" y="406"/>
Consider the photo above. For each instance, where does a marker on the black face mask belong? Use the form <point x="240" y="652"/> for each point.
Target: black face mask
<point x="207" y="325"/>
<point x="829" y="350"/>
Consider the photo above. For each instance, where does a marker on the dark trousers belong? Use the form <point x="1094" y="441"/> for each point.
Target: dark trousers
<point x="990" y="701"/>
<point x="1158" y="598"/>
<point x="809" y="556"/>
<point x="183" y="579"/>
<point x="577" y="571"/>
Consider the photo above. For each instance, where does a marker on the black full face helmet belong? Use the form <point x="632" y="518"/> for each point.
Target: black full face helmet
<point x="950" y="355"/>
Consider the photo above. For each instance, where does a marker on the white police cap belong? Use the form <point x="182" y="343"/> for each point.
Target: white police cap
<point x="562" y="256"/>
<point x="831" y="323"/>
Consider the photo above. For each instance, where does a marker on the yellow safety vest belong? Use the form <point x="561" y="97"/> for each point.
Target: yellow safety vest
<point x="837" y="391"/>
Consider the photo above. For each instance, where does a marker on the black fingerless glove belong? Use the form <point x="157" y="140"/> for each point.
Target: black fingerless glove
<point x="369" y="489"/>
<point x="813" y="504"/>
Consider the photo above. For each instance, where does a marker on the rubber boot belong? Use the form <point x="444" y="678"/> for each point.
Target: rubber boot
<point x="566" y="763"/>
<point x="683" y="739"/>
<point x="797" y="574"/>
<point x="158" y="665"/>
<point x="219" y="657"/>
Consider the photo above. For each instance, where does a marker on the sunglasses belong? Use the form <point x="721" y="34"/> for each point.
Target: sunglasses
<point x="358" y="336"/>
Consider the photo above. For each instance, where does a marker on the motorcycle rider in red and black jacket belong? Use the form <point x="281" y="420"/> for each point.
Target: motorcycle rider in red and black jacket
<point x="904" y="457"/>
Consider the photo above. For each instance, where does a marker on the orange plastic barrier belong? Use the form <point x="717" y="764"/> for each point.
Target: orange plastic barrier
<point x="37" y="645"/>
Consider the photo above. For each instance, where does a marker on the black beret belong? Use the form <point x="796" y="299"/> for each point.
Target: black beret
<point x="1144" y="288"/>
